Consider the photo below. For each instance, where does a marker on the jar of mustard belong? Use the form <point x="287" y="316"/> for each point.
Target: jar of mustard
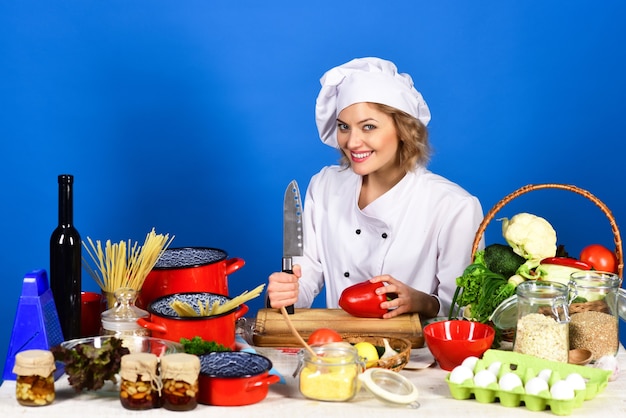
<point x="34" y="385"/>
<point x="140" y="386"/>
<point x="179" y="374"/>
<point x="331" y="374"/>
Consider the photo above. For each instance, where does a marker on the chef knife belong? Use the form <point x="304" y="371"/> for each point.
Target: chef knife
<point x="292" y="229"/>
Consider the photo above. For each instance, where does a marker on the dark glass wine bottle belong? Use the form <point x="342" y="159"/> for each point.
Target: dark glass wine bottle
<point x="65" y="262"/>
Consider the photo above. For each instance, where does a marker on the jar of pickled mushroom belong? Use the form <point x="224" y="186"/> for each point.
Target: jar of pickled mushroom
<point x="34" y="385"/>
<point x="140" y="386"/>
<point x="179" y="374"/>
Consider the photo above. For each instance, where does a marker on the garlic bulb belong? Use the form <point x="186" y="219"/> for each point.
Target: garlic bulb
<point x="389" y="352"/>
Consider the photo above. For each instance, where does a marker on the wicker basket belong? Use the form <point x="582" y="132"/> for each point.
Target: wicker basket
<point x="401" y="345"/>
<point x="575" y="307"/>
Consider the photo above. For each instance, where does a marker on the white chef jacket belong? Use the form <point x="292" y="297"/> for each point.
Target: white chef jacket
<point x="420" y="232"/>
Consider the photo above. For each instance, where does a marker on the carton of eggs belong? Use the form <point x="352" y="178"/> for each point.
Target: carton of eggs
<point x="515" y="379"/>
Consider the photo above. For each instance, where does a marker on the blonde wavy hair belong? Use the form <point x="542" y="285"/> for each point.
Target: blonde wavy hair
<point x="414" y="147"/>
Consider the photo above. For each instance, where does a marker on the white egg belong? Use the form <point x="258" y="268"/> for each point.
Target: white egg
<point x="470" y="362"/>
<point x="562" y="390"/>
<point x="545" y="374"/>
<point x="535" y="385"/>
<point x="577" y="381"/>
<point x="509" y="381"/>
<point x="495" y="367"/>
<point x="460" y="374"/>
<point x="484" y="378"/>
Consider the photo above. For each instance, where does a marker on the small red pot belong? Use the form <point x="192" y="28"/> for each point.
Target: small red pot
<point x="234" y="378"/>
<point x="165" y="323"/>
<point x="188" y="269"/>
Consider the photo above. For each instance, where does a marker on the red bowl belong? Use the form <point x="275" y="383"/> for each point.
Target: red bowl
<point x="453" y="341"/>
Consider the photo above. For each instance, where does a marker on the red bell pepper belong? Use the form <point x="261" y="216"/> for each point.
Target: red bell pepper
<point x="362" y="301"/>
<point x="567" y="262"/>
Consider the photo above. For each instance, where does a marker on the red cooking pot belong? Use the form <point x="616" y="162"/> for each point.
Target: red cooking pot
<point x="188" y="269"/>
<point x="165" y="323"/>
<point x="233" y="378"/>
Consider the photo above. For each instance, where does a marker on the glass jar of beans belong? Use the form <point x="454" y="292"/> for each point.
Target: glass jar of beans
<point x="140" y="386"/>
<point x="179" y="374"/>
<point x="34" y="385"/>
<point x="542" y="320"/>
<point x="594" y="313"/>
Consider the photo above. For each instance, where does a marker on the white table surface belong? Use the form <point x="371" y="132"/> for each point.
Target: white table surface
<point x="284" y="400"/>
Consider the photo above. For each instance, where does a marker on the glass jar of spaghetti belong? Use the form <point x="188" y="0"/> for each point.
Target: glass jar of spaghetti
<point x="140" y="386"/>
<point x="34" y="384"/>
<point x="179" y="374"/>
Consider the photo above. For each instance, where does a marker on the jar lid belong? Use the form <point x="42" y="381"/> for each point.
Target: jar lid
<point x="390" y="386"/>
<point x="505" y="315"/>
<point x="34" y="362"/>
<point x="180" y="366"/>
<point x="136" y="364"/>
<point x="124" y="314"/>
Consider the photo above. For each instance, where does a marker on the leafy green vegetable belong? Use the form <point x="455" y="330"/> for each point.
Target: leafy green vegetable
<point x="501" y="259"/>
<point x="198" y="346"/>
<point x="89" y="367"/>
<point x="480" y="289"/>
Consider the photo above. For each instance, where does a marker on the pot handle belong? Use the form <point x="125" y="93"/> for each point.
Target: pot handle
<point x="241" y="311"/>
<point x="265" y="380"/>
<point x="234" y="264"/>
<point x="151" y="325"/>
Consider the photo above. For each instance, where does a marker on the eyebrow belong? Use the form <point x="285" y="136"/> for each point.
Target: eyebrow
<point x="359" y="122"/>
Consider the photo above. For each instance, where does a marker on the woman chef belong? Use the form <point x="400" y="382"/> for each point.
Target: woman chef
<point x="380" y="215"/>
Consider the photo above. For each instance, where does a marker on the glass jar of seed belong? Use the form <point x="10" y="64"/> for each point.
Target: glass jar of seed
<point x="594" y="312"/>
<point x="140" y="386"/>
<point x="34" y="384"/>
<point x="179" y="373"/>
<point x="542" y="320"/>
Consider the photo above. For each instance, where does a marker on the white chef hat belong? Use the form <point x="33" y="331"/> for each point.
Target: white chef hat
<point x="365" y="80"/>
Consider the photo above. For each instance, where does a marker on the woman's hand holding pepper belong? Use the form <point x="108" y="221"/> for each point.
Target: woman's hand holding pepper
<point x="282" y="289"/>
<point x="407" y="299"/>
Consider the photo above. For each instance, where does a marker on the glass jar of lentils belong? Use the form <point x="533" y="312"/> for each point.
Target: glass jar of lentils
<point x="140" y="386"/>
<point x="179" y="374"/>
<point x="594" y="313"/>
<point x="34" y="385"/>
<point x="543" y="320"/>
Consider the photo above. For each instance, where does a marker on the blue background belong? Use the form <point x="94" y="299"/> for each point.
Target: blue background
<point x="192" y="116"/>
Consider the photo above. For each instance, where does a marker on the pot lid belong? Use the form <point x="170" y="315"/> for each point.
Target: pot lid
<point x="188" y="257"/>
<point x="390" y="386"/>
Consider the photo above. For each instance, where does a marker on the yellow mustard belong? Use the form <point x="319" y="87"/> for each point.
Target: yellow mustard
<point x="330" y="375"/>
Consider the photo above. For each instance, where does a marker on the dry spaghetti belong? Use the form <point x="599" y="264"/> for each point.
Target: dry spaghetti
<point x="216" y="308"/>
<point x="121" y="264"/>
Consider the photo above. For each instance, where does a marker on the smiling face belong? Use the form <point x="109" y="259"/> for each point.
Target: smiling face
<point x="369" y="140"/>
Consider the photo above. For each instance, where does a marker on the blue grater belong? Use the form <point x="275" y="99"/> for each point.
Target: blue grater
<point x="36" y="323"/>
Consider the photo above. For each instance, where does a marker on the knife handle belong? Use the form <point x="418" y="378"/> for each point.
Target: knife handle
<point x="288" y="268"/>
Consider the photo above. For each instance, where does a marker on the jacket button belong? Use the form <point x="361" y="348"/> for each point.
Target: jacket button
<point x="358" y="231"/>
<point x="384" y="235"/>
<point x="346" y="274"/>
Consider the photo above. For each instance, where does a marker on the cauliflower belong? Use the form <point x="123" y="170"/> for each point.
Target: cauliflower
<point x="530" y="236"/>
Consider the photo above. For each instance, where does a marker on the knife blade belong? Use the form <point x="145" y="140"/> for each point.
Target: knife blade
<point x="293" y="245"/>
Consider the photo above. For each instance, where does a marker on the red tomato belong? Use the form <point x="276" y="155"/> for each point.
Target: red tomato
<point x="600" y="257"/>
<point x="323" y="336"/>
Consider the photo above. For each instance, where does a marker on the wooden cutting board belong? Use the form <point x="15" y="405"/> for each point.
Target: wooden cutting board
<point x="271" y="329"/>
